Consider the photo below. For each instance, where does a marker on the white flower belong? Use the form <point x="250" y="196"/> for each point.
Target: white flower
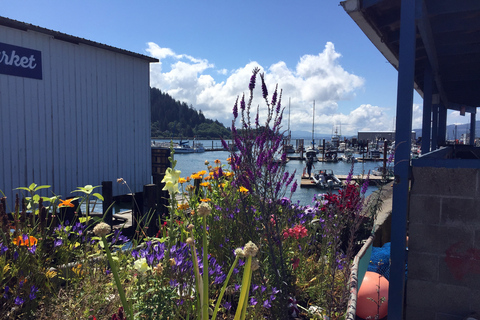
<point x="141" y="265"/>
<point x="171" y="180"/>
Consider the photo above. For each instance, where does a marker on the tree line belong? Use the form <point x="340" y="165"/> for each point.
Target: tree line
<point x="171" y="118"/>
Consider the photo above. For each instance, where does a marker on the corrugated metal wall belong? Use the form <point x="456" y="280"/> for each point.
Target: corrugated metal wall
<point x="86" y="121"/>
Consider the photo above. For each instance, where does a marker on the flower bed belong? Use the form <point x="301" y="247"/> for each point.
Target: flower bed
<point x="233" y="245"/>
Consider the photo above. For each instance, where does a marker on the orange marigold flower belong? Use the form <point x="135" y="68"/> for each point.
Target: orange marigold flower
<point x="243" y="189"/>
<point x="182" y="180"/>
<point x="30" y="241"/>
<point x="210" y="173"/>
<point x="183" y="206"/>
<point x="217" y="161"/>
<point x="66" y="203"/>
<point x="228" y="174"/>
<point x="197" y="176"/>
<point x="203" y="172"/>
<point x="205" y="184"/>
<point x="206" y="200"/>
<point x="188" y="179"/>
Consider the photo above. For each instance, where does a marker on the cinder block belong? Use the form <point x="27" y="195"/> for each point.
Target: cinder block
<point x="423" y="266"/>
<point x="423" y="238"/>
<point x="459" y="268"/>
<point x="444" y="316"/>
<point x="444" y="181"/>
<point x="453" y="300"/>
<point x="460" y="211"/>
<point x="424" y="209"/>
<point x="454" y="236"/>
<point x="419" y="313"/>
<point x="422" y="294"/>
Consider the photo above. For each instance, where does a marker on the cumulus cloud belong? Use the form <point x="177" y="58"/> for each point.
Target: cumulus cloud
<point x="319" y="78"/>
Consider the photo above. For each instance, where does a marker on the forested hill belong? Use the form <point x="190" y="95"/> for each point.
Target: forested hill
<point x="171" y="118"/>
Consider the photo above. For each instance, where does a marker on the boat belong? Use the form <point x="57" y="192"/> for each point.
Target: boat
<point x="330" y="156"/>
<point x="326" y="179"/>
<point x="198" y="147"/>
<point x="182" y="147"/>
<point x="348" y="156"/>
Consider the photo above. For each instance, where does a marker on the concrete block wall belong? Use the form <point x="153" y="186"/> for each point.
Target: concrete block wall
<point x="443" y="281"/>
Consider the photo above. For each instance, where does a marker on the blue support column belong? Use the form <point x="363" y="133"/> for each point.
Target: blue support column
<point x="435" y="127"/>
<point x="403" y="136"/>
<point x="442" y="125"/>
<point x="427" y="108"/>
<point x="472" y="128"/>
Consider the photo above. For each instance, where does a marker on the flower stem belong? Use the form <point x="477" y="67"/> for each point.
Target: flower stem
<point x="219" y="299"/>
<point x="121" y="292"/>
<point x="205" y="271"/>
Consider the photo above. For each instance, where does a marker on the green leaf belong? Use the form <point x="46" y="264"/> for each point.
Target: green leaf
<point x="36" y="198"/>
<point x="98" y="195"/>
<point x="32" y="187"/>
<point x="84" y="219"/>
<point x="22" y="188"/>
<point x="41" y="187"/>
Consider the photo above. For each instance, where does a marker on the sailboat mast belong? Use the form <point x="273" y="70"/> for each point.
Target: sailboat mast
<point x="289" y="133"/>
<point x="313" y="126"/>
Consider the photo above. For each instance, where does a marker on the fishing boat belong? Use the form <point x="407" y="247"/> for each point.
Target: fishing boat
<point x="331" y="156"/>
<point x="182" y="147"/>
<point x="326" y="179"/>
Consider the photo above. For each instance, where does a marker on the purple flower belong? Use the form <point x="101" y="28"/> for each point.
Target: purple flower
<point x="235" y="111"/>
<point x="32" y="249"/>
<point x="19" y="301"/>
<point x="33" y="291"/>
<point x="15" y="255"/>
<point x="57" y="243"/>
<point x="227" y="305"/>
<point x="267" y="304"/>
<point x="3" y="248"/>
<point x="255" y="287"/>
<point x="251" y="86"/>
<point x="5" y="293"/>
<point x="294" y="187"/>
<point x="253" y="301"/>
<point x="264" y="87"/>
<point x="237" y="286"/>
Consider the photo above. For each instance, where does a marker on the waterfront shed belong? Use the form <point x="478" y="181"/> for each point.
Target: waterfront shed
<point x="72" y="112"/>
<point x="434" y="45"/>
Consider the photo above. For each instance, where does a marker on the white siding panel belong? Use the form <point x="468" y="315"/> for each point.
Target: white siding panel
<point x="86" y="121"/>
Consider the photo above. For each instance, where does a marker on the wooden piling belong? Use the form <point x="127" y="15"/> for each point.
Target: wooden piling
<point x="107" y="193"/>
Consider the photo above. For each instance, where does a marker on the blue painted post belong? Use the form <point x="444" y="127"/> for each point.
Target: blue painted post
<point x="435" y="127"/>
<point x="427" y="108"/>
<point x="403" y="136"/>
<point x="472" y="128"/>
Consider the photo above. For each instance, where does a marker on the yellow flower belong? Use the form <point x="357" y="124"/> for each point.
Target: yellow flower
<point x="243" y="189"/>
<point x="141" y="265"/>
<point x="222" y="185"/>
<point x="182" y="180"/>
<point x="206" y="200"/>
<point x="205" y="184"/>
<point x="229" y="174"/>
<point x="183" y="206"/>
<point x="171" y="180"/>
<point x="197" y="176"/>
<point x="211" y="173"/>
<point x="51" y="273"/>
<point x="203" y="172"/>
<point x="217" y="161"/>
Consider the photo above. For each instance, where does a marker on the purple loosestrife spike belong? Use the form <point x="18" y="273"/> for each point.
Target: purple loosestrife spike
<point x="264" y="87"/>
<point x="251" y="86"/>
<point x="350" y="175"/>
<point x="274" y="97"/>
<point x="242" y="103"/>
<point x="294" y="187"/>
<point x="365" y="183"/>
<point x="224" y="144"/>
<point x="257" y="122"/>
<point x="235" y="109"/>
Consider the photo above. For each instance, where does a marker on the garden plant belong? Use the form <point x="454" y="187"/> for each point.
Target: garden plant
<point x="233" y="245"/>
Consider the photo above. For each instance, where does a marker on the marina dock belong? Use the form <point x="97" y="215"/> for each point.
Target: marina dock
<point x="305" y="182"/>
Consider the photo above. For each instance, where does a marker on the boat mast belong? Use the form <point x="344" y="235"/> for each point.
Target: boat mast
<point x="313" y="126"/>
<point x="289" y="133"/>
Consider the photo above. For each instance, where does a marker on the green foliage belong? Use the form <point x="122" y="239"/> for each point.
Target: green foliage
<point x="171" y="118"/>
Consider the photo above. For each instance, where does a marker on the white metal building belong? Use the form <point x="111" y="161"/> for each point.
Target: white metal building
<point x="72" y="112"/>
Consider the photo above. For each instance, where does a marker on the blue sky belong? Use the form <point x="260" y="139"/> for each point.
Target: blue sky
<point x="207" y="49"/>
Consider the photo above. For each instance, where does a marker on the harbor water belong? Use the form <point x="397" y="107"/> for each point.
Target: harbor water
<point x="189" y="163"/>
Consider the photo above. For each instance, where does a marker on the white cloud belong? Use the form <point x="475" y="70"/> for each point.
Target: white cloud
<point x="318" y="78"/>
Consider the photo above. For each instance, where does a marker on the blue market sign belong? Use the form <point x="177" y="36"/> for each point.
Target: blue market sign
<point x="21" y="62"/>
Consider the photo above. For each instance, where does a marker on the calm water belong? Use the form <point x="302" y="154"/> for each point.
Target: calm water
<point x="189" y="163"/>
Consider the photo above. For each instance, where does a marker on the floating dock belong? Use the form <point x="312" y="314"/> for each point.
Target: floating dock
<point x="306" y="182"/>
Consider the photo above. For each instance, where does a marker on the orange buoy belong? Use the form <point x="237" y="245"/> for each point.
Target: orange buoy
<point x="372" y="298"/>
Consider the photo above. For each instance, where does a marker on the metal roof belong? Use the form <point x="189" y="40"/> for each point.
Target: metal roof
<point x="447" y="36"/>
<point x="68" y="38"/>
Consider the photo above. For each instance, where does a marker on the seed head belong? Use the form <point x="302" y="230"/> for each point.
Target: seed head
<point x="101" y="229"/>
<point x="239" y="253"/>
<point x="204" y="209"/>
<point x="250" y="249"/>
